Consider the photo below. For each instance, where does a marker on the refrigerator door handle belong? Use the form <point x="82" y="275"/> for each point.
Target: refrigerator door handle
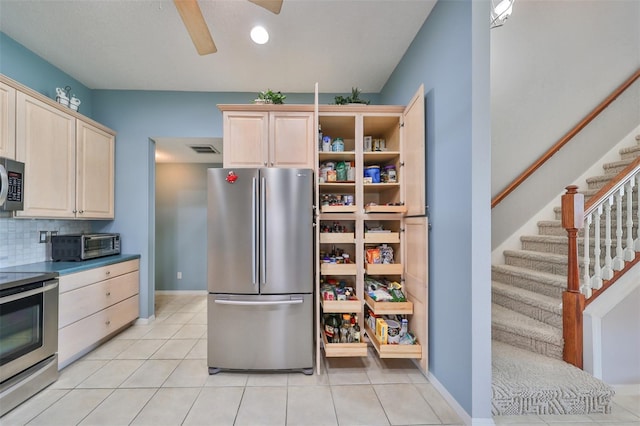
<point x="263" y="231"/>
<point x="257" y="303"/>
<point x="254" y="233"/>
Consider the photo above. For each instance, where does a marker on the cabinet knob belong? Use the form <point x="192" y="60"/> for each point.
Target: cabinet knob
<point x="107" y="322"/>
<point x="265" y="163"/>
<point x="74" y="211"/>
<point x="108" y="293"/>
<point x="81" y="211"/>
<point x="108" y="273"/>
<point x="272" y="164"/>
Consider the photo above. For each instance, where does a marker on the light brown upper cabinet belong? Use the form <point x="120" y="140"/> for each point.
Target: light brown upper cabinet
<point x="268" y="136"/>
<point x="7" y="121"/>
<point x="69" y="163"/>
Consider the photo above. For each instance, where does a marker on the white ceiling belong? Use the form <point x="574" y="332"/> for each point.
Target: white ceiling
<point x="143" y="45"/>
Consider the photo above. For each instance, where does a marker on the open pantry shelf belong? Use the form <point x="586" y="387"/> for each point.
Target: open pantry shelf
<point x="343" y="349"/>
<point x="393" y="351"/>
<point x="341" y="306"/>
<point x="381" y="237"/>
<point x="337" y="238"/>
<point x="338" y="209"/>
<point x="383" y="208"/>
<point x="383" y="269"/>
<point x="384" y="308"/>
<point x="338" y="269"/>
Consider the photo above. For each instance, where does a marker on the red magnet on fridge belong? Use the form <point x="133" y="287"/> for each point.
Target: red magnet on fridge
<point x="231" y="177"/>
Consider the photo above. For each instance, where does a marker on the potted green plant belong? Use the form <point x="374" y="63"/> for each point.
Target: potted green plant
<point x="353" y="99"/>
<point x="270" y="97"/>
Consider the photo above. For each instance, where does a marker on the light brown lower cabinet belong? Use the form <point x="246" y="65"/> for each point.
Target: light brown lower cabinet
<point x="95" y="304"/>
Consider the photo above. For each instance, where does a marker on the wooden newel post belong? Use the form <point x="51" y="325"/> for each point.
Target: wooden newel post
<point x="573" y="301"/>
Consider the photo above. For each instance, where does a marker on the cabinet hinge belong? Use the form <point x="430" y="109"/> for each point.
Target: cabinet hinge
<point x="402" y="164"/>
<point x="401" y="229"/>
<point x="402" y="124"/>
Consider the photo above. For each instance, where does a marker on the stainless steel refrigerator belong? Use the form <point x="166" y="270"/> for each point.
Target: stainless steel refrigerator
<point x="260" y="269"/>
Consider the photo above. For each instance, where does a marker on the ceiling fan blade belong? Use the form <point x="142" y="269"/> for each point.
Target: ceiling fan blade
<point x="196" y="26"/>
<point x="271" y="5"/>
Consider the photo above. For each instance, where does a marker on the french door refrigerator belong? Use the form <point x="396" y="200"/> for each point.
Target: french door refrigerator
<point x="260" y="269"/>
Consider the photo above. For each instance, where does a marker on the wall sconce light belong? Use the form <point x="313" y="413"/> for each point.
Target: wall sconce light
<point x="500" y="11"/>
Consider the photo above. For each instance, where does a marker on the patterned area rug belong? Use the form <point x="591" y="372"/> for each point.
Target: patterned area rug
<point x="528" y="383"/>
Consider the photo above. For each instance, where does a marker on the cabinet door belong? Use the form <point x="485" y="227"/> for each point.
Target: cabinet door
<point x="45" y="142"/>
<point x="291" y="140"/>
<point x="7" y="121"/>
<point x="245" y="139"/>
<point x="95" y="172"/>
<point x="413" y="155"/>
<point x="416" y="273"/>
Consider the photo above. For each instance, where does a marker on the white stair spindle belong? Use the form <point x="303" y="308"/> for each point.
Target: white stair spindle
<point x="607" y="271"/>
<point x="636" y="243"/>
<point x="585" y="288"/>
<point x="629" y="252"/>
<point x="596" y="280"/>
<point x="618" y="260"/>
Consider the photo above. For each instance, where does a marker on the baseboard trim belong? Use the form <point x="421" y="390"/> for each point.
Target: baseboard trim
<point x="145" y="321"/>
<point x="633" y="389"/>
<point x="468" y="420"/>
<point x="182" y="292"/>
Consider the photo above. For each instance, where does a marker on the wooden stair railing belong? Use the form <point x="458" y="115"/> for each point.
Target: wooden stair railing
<point x="566" y="138"/>
<point x="577" y="215"/>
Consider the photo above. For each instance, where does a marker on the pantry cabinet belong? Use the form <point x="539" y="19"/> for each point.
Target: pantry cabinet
<point x="69" y="162"/>
<point x="95" y="304"/>
<point x="268" y="136"/>
<point x="370" y="210"/>
<point x="7" y="121"/>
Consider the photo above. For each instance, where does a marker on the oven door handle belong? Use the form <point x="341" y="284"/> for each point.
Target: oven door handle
<point x="33" y="292"/>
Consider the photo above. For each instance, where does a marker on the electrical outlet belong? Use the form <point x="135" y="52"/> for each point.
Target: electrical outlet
<point x="179" y="275"/>
<point x="44" y="235"/>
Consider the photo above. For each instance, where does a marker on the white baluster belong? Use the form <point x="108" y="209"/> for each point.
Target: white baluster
<point x="596" y="280"/>
<point x="618" y="261"/>
<point x="607" y="271"/>
<point x="636" y="243"/>
<point x="629" y="252"/>
<point x="585" y="288"/>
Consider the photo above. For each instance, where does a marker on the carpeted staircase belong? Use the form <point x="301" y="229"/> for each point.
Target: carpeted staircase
<point x="529" y="376"/>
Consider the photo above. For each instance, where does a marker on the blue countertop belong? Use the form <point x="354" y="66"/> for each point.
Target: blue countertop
<point x="64" y="268"/>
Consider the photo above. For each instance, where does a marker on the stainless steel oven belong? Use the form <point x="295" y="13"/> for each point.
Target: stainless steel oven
<point x="28" y="335"/>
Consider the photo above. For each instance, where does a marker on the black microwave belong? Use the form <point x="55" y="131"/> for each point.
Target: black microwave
<point x="76" y="247"/>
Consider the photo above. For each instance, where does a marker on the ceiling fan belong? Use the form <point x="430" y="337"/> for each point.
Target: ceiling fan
<point x="197" y="27"/>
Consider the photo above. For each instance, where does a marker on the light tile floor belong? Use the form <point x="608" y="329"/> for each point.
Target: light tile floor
<point x="157" y="374"/>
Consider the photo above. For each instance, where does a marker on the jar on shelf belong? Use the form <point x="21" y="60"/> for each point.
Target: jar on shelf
<point x="338" y="145"/>
<point x="390" y="172"/>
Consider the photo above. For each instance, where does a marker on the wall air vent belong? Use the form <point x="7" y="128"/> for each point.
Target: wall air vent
<point x="204" y="149"/>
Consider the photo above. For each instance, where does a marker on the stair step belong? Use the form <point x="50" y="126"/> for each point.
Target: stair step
<point x="630" y="152"/>
<point x="547" y="284"/>
<point x="537" y="306"/>
<point x="597" y="182"/>
<point x="524" y="382"/>
<point x="616" y="167"/>
<point x="524" y="332"/>
<point x="537" y="261"/>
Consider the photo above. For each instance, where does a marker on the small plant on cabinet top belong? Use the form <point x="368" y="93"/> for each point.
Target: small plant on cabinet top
<point x="353" y="99"/>
<point x="270" y="97"/>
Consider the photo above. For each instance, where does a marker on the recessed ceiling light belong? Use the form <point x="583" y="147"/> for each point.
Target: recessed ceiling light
<point x="259" y="35"/>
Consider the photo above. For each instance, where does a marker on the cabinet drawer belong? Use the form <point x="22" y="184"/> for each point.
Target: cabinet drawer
<point x="84" y="301"/>
<point x="81" y="279"/>
<point x="80" y="335"/>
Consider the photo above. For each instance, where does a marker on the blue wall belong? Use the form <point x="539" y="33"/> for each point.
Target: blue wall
<point x="450" y="56"/>
<point x="27" y="68"/>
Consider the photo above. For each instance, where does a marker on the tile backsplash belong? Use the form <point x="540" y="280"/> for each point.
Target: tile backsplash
<point x="20" y="238"/>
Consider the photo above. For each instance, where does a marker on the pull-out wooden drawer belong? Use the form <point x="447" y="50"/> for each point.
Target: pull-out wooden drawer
<point x="77" y="337"/>
<point x="84" y="301"/>
<point x="81" y="279"/>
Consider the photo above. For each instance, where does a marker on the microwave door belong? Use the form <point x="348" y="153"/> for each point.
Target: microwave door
<point x="4" y="185"/>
